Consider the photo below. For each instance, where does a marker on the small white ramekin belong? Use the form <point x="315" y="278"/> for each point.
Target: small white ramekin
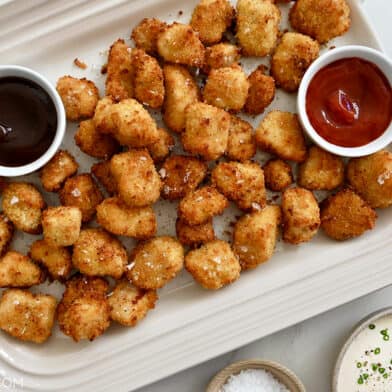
<point x="29" y="74"/>
<point x="362" y="52"/>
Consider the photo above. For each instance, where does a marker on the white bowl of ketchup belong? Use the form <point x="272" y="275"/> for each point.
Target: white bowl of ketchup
<point x="345" y="101"/>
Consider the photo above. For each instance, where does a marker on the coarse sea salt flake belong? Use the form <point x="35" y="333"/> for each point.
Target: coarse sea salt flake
<point x="383" y="177"/>
<point x="14" y="200"/>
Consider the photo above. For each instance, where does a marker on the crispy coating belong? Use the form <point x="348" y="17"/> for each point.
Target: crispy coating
<point x="146" y="33"/>
<point x="242" y="183"/>
<point x="227" y="88"/>
<point x="280" y="133"/>
<point x="206" y="131"/>
<point x="346" y="215"/>
<point x="181" y="90"/>
<point x="321" y="19"/>
<point x="321" y="170"/>
<point x="17" y="270"/>
<point x="278" y="175"/>
<point x="56" y="260"/>
<point x="129" y="304"/>
<point x="6" y="233"/>
<point x="194" y="235"/>
<point x="61" y="225"/>
<point x="255" y="236"/>
<point x="84" y="311"/>
<point x="221" y="55"/>
<point x="180" y="44"/>
<point x="148" y="83"/>
<point x="117" y="218"/>
<point x="119" y="81"/>
<point x="213" y="265"/>
<point x="292" y="58"/>
<point x="241" y="145"/>
<point x="201" y="205"/>
<point x="23" y="204"/>
<point x="101" y="171"/>
<point x="211" y="18"/>
<point x="181" y="174"/>
<point x="57" y="170"/>
<point x="27" y="316"/>
<point x="79" y="96"/>
<point x="257" y="26"/>
<point x="138" y="182"/>
<point x="261" y="91"/>
<point x="155" y="262"/>
<point x="301" y="215"/>
<point x="161" y="149"/>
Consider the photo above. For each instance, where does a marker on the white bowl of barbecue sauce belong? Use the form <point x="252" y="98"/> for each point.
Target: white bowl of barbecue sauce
<point x="32" y="121"/>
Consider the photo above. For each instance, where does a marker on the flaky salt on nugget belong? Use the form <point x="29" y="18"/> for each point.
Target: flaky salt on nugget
<point x="101" y="171"/>
<point x="6" y="233"/>
<point x="278" y="175"/>
<point x="241" y="145"/>
<point x="146" y="33"/>
<point x="161" y="149"/>
<point x="221" y="55"/>
<point x="194" y="235"/>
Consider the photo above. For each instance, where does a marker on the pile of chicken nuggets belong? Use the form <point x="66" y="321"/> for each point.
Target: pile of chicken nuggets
<point x="193" y="74"/>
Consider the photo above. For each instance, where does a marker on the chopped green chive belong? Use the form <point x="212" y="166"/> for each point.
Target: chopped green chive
<point x="360" y="380"/>
<point x="377" y="350"/>
<point x="386" y="337"/>
<point x="381" y="370"/>
<point x="359" y="365"/>
<point x="372" y="326"/>
<point x="384" y="332"/>
<point x="385" y="375"/>
<point x="374" y="367"/>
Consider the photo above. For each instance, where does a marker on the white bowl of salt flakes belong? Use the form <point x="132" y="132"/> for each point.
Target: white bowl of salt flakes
<point x="255" y="376"/>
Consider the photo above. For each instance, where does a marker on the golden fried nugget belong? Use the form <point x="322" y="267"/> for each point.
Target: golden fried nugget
<point x="257" y="26"/>
<point x="17" y="270"/>
<point x="241" y="145"/>
<point x="27" y="316"/>
<point x="161" y="149"/>
<point x="292" y="58"/>
<point x="117" y="218"/>
<point x="221" y="55"/>
<point x="181" y="90"/>
<point x="206" y="131"/>
<point x="146" y="33"/>
<point x="255" y="236"/>
<point x="321" y="19"/>
<point x="6" y="233"/>
<point x="280" y="133"/>
<point x="101" y="171"/>
<point x="211" y="18"/>
<point x="155" y="262"/>
<point x="345" y="215"/>
<point x="23" y="204"/>
<point x="138" y="182"/>
<point x="129" y="304"/>
<point x="119" y="81"/>
<point x="278" y="175"/>
<point x="227" y="88"/>
<point x="213" y="265"/>
<point x="57" y="170"/>
<point x="81" y="191"/>
<point x="180" y="44"/>
<point x="194" y="235"/>
<point x="301" y="215"/>
<point x="321" y="170"/>
<point x="242" y="183"/>
<point x="79" y="96"/>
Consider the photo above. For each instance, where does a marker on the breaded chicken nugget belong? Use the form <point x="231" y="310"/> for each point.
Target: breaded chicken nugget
<point x="146" y="33"/>
<point x="257" y="26"/>
<point x="117" y="218"/>
<point x="221" y="55"/>
<point x="23" y="204"/>
<point x="242" y="183"/>
<point x="211" y="18"/>
<point x="201" y="205"/>
<point x="181" y="174"/>
<point x="278" y="175"/>
<point x="241" y="145"/>
<point x="255" y="235"/>
<point x="101" y="171"/>
<point x="321" y="170"/>
<point x="61" y="225"/>
<point x="57" y="170"/>
<point x="321" y="19"/>
<point x="17" y="270"/>
<point x="213" y="265"/>
<point x="6" y="233"/>
<point x="181" y="90"/>
<point x="79" y="96"/>
<point x="301" y="215"/>
<point x="155" y="262"/>
<point x="194" y="235"/>
<point x="138" y="183"/>
<point x="292" y="58"/>
<point x="180" y="44"/>
<point x="119" y="81"/>
<point x="129" y="304"/>
<point x="206" y="131"/>
<point x="148" y="80"/>
<point x="345" y="215"/>
<point x="371" y="178"/>
<point x="161" y="149"/>
<point x="280" y="133"/>
<point x="27" y="316"/>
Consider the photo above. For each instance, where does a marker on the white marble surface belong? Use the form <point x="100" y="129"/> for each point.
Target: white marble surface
<point x="311" y="347"/>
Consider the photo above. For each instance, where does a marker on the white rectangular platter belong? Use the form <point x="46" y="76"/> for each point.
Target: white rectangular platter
<point x="189" y="325"/>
